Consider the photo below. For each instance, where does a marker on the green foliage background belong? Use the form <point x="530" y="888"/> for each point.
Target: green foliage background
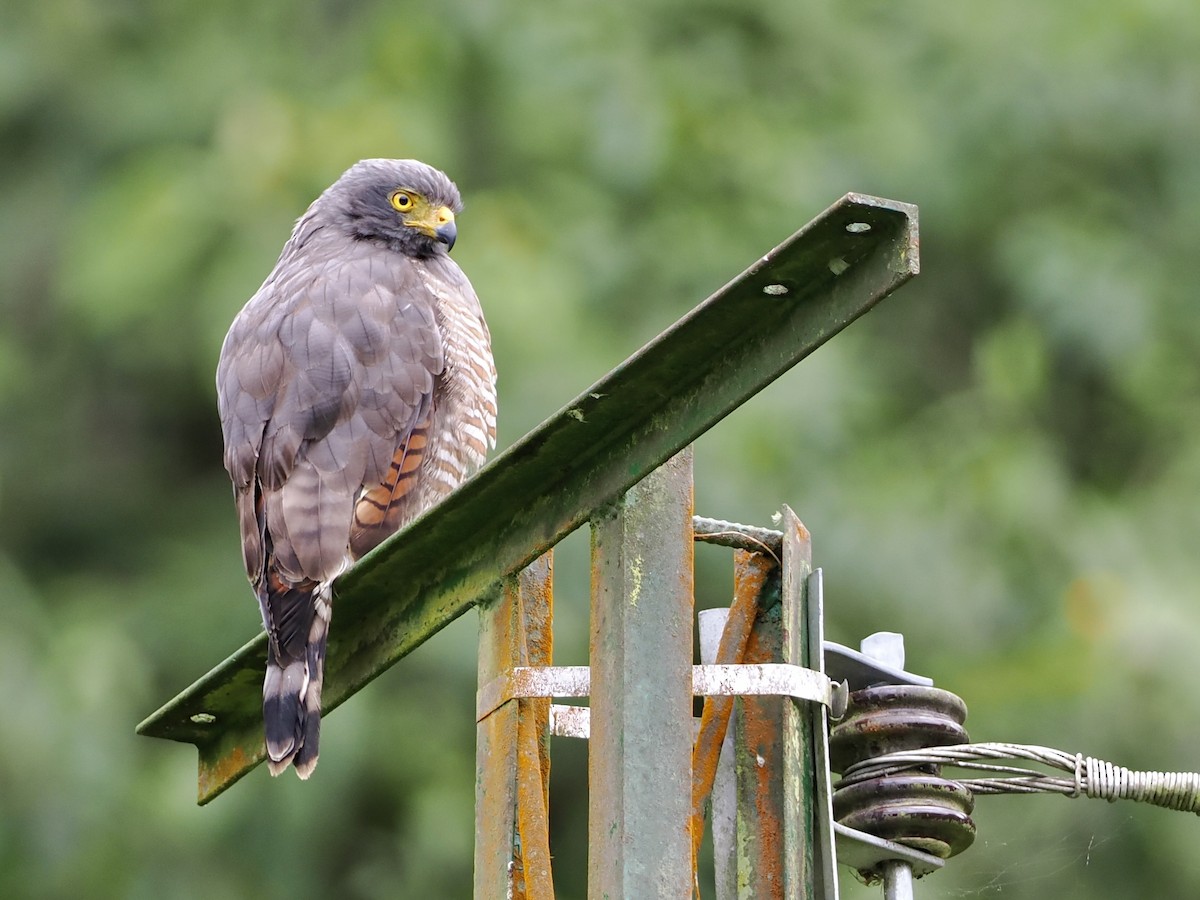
<point x="1002" y="461"/>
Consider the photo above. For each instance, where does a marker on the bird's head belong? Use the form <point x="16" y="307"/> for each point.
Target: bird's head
<point x="402" y="203"/>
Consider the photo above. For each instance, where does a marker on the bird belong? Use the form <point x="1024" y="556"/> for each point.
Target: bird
<point x="356" y="389"/>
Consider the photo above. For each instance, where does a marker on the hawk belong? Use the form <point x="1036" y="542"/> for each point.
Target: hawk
<point x="356" y="389"/>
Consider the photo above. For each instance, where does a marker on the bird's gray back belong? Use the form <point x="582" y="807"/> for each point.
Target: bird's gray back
<point x="326" y="367"/>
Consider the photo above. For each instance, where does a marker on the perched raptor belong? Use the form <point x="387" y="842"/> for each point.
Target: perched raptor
<point x="356" y="389"/>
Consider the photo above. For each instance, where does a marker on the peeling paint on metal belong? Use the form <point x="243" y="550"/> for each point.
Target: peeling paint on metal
<point x="635" y="586"/>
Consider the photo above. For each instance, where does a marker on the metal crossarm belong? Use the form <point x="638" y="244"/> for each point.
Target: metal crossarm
<point x="581" y="460"/>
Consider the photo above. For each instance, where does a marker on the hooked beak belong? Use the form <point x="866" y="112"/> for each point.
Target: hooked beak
<point x="444" y="229"/>
<point x="447" y="233"/>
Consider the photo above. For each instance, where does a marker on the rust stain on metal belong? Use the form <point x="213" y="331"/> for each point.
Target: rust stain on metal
<point x="218" y="774"/>
<point x="533" y="852"/>
<point x="495" y="803"/>
<point x="512" y="856"/>
<point x="760" y="775"/>
<point x="750" y="574"/>
<point x="536" y="638"/>
<point x="495" y="761"/>
<point x="538" y="599"/>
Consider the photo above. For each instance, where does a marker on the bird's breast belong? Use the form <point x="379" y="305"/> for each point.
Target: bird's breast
<point x="464" y="416"/>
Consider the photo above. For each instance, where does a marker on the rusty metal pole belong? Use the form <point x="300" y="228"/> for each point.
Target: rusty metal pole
<point x="757" y="751"/>
<point x="512" y="856"/>
<point x="723" y="809"/>
<point x="640" y="755"/>
<point x="774" y="758"/>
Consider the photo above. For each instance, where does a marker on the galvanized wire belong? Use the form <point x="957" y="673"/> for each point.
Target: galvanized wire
<point x="738" y="536"/>
<point x="1088" y="776"/>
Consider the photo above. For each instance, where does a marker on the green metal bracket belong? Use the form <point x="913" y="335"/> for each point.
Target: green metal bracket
<point x="554" y="479"/>
<point x="640" y="750"/>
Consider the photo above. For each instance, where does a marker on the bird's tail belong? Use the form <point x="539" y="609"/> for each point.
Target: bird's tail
<point x="297" y="620"/>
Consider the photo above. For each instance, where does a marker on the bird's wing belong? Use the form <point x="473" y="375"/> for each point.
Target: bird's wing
<point x="451" y="437"/>
<point x="325" y="377"/>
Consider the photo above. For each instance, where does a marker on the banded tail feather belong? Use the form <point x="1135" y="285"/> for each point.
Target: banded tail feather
<point x="297" y="622"/>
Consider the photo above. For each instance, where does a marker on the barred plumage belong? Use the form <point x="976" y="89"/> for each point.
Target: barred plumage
<point x="356" y="389"/>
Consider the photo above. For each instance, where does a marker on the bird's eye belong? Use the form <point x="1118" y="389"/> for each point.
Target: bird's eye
<point x="402" y="200"/>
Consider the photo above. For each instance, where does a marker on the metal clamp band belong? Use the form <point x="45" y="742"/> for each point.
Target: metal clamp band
<point x="766" y="679"/>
